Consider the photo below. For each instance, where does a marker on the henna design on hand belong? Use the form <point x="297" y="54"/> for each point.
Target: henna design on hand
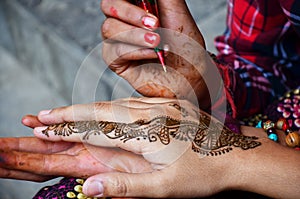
<point x="208" y="137"/>
<point x="183" y="111"/>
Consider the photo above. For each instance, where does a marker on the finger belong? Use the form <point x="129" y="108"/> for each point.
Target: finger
<point x="20" y="175"/>
<point x="115" y="30"/>
<point x="71" y="113"/>
<point x="154" y="139"/>
<point x="33" y="145"/>
<point x="31" y="121"/>
<point x="118" y="53"/>
<point x="50" y="164"/>
<point x="100" y="111"/>
<point x="142" y="129"/>
<point x="125" y="185"/>
<point x="129" y="13"/>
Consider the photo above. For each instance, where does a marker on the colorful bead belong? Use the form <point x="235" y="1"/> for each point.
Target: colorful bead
<point x="292" y="139"/>
<point x="273" y="137"/>
<point x="268" y="124"/>
<point x="259" y="124"/>
<point x="280" y="123"/>
<point x="81" y="196"/>
<point x="71" y="194"/>
<point x="80" y="181"/>
<point x="78" y="188"/>
<point x="268" y="127"/>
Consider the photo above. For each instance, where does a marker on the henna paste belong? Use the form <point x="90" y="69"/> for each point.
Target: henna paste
<point x="183" y="111"/>
<point x="114" y="12"/>
<point x="208" y="137"/>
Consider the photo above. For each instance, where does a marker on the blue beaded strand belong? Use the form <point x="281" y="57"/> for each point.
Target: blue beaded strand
<point x="273" y="137"/>
<point x="268" y="127"/>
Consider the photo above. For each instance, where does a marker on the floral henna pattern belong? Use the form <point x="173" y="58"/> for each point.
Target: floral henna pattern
<point x="208" y="137"/>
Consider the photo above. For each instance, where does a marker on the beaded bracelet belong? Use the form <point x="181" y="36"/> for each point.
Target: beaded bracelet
<point x="292" y="138"/>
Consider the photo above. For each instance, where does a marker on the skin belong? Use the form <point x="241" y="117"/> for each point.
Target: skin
<point x="128" y="52"/>
<point x="210" y="174"/>
<point x="48" y="158"/>
<point x="32" y="159"/>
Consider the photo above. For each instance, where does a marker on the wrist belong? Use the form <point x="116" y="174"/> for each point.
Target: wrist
<point x="270" y="170"/>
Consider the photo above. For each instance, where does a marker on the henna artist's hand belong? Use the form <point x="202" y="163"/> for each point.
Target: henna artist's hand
<point x="190" y="153"/>
<point x="130" y="34"/>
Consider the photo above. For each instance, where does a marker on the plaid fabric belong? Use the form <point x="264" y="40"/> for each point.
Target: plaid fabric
<point x="262" y="46"/>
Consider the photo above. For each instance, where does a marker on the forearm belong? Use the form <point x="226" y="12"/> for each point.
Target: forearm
<point x="271" y="169"/>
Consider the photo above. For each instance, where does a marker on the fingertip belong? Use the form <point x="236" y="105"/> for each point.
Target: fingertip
<point x="152" y="39"/>
<point x="31" y="121"/>
<point x="120" y="184"/>
<point x="150" y="21"/>
<point x="93" y="187"/>
<point x="25" y="120"/>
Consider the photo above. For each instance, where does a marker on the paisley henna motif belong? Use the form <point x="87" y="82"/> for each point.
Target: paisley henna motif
<point x="208" y="137"/>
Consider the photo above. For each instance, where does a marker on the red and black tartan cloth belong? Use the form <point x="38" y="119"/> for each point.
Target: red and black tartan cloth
<point x="259" y="52"/>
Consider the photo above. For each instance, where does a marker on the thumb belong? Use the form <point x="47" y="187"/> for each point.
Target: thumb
<point x="125" y="185"/>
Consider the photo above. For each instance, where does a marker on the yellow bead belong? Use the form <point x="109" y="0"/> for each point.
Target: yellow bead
<point x="80" y="181"/>
<point x="81" y="196"/>
<point x="78" y="188"/>
<point x="71" y="195"/>
<point x="292" y="139"/>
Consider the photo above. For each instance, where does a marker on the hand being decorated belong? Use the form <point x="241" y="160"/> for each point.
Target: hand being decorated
<point x="172" y="135"/>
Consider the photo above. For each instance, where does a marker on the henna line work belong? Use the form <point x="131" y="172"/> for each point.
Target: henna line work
<point x="207" y="138"/>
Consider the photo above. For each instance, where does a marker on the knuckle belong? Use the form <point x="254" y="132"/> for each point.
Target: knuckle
<point x="99" y="107"/>
<point x="186" y="103"/>
<point x="166" y="192"/>
<point x="6" y="173"/>
<point x="120" y="187"/>
<point x="120" y="51"/>
<point x="65" y="112"/>
<point x="106" y="52"/>
<point x="104" y="4"/>
<point x="45" y="165"/>
<point x="106" y="26"/>
<point x="57" y="111"/>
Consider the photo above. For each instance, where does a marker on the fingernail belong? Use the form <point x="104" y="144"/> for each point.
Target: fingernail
<point x="44" y="112"/>
<point x="93" y="188"/>
<point x="40" y="129"/>
<point x="150" y="38"/>
<point x="149" y="22"/>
